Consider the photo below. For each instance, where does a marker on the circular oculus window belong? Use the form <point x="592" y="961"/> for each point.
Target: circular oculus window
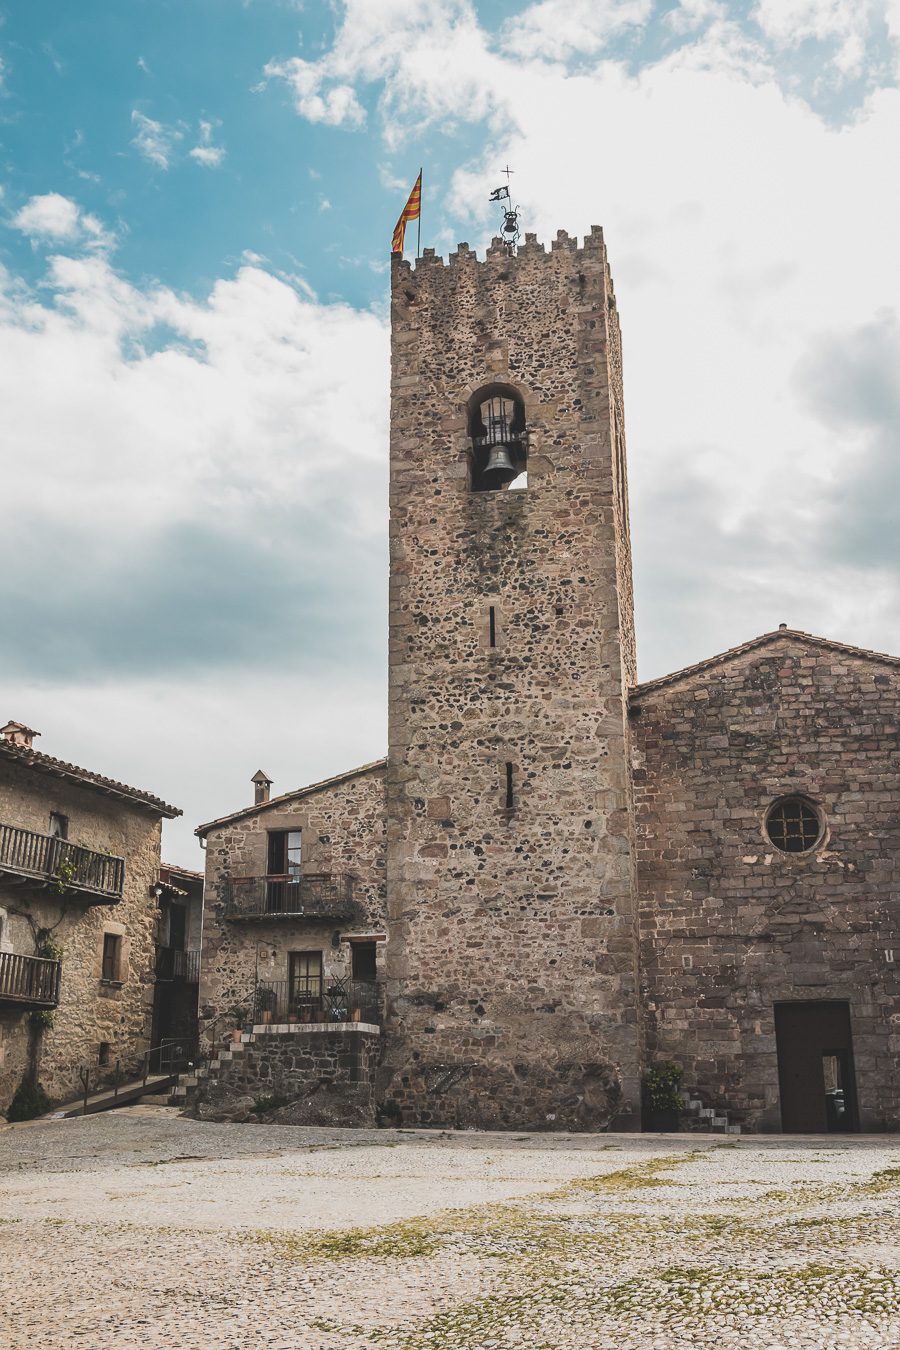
<point x="793" y="824"/>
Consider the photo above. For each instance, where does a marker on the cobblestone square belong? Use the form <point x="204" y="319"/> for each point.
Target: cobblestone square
<point x="140" y="1228"/>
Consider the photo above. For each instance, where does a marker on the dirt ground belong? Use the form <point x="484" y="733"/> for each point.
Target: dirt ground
<point x="141" y="1228"/>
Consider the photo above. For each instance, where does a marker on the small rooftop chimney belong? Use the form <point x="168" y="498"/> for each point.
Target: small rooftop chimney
<point x="262" y="784"/>
<point x="18" y="734"/>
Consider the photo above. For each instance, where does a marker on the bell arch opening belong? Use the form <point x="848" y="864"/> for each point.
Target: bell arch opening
<point x="498" y="446"/>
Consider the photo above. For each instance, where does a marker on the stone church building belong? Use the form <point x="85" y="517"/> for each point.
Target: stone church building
<point x="560" y="877"/>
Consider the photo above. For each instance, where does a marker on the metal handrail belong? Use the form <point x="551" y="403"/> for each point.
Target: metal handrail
<point x="314" y="895"/>
<point x="318" y="999"/>
<point x="175" y="963"/>
<point x="175" y="1048"/>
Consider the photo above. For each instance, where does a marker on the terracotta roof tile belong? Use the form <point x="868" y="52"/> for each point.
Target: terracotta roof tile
<point x="58" y="768"/>
<point x="765" y="639"/>
<point x="374" y="767"/>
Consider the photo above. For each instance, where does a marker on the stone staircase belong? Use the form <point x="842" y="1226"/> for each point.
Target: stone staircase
<point x="317" y="1073"/>
<point x="187" y="1084"/>
<point x="696" y="1116"/>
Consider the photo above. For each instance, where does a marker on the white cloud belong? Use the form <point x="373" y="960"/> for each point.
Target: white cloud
<point x="50" y="216"/>
<point x="336" y="106"/>
<point x="848" y="24"/>
<point x="54" y="219"/>
<point x="154" y="140"/>
<point x="196" y="742"/>
<point x="201" y="497"/>
<point x="204" y="152"/>
<point x="431" y="56"/>
<point x="555" y="29"/>
<point x="741" y="228"/>
<point x="690" y="15"/>
<point x="172" y="392"/>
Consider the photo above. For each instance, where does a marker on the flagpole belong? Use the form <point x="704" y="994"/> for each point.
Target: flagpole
<point x="419" y="237"/>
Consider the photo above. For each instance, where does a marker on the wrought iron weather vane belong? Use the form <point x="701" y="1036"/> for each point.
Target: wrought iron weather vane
<point x="509" y="230"/>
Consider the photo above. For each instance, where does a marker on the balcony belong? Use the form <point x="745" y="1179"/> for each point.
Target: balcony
<point x="29" y="981"/>
<point x="66" y="868"/>
<point x="317" y="999"/>
<point x="314" y="895"/>
<point x="181" y="967"/>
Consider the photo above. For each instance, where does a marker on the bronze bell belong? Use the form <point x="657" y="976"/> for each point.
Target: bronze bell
<point x="499" y="466"/>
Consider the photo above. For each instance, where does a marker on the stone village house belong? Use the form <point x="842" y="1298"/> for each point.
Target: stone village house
<point x="79" y="890"/>
<point x="560" y="876"/>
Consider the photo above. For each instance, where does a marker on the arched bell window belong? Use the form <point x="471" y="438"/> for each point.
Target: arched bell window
<point x="498" y="444"/>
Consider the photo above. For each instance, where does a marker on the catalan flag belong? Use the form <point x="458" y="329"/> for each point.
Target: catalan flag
<point x="411" y="211"/>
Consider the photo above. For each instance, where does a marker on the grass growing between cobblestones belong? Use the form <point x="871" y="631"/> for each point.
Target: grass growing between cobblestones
<point x="509" y="1227"/>
<point x="888" y="1179"/>
<point x="560" y="1265"/>
<point x="670" y="1296"/>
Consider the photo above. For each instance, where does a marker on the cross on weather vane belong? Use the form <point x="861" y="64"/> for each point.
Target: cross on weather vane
<point x="509" y="230"/>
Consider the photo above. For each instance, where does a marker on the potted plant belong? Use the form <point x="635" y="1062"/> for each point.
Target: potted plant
<point x="661" y="1099"/>
<point x="241" y="1016"/>
<point x="265" y="1004"/>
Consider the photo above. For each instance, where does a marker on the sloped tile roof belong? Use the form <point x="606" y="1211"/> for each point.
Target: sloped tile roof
<point x="641" y="691"/>
<point x="247" y="812"/>
<point x="58" y="768"/>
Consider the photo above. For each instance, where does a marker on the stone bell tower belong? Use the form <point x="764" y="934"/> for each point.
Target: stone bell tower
<point x="511" y="955"/>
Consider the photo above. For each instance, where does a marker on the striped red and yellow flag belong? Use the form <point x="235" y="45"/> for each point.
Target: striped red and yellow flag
<point x="411" y="211"/>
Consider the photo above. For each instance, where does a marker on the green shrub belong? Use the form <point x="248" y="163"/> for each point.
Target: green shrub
<point x="660" y="1087"/>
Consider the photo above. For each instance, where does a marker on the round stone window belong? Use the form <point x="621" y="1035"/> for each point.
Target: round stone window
<point x="793" y="824"/>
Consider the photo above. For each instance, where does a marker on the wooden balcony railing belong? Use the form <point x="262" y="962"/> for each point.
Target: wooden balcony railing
<point x="312" y="895"/>
<point x="29" y="980"/>
<point x="66" y="867"/>
<point x="181" y="966"/>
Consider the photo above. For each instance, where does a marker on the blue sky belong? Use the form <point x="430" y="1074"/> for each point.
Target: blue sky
<point x="196" y="204"/>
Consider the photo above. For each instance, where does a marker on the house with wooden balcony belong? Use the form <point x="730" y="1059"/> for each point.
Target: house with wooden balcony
<point x="294" y="913"/>
<point x="79" y="860"/>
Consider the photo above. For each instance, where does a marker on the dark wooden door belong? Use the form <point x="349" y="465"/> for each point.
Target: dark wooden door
<point x="177" y="927"/>
<point x="815" y="1067"/>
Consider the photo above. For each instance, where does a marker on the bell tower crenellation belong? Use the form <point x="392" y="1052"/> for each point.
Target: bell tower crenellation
<point x="512" y="952"/>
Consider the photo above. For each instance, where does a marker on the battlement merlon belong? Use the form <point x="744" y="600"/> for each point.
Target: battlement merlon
<point x="498" y="256"/>
<point x="581" y="270"/>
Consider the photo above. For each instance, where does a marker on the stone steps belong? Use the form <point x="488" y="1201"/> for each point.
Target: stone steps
<point x="208" y="1073"/>
<point x="697" y="1116"/>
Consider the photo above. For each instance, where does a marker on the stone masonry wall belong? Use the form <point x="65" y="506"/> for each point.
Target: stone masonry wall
<point x="90" y="1010"/>
<point x="512" y="947"/>
<point x="343" y="833"/>
<point x="730" y="924"/>
<point x="317" y="1075"/>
